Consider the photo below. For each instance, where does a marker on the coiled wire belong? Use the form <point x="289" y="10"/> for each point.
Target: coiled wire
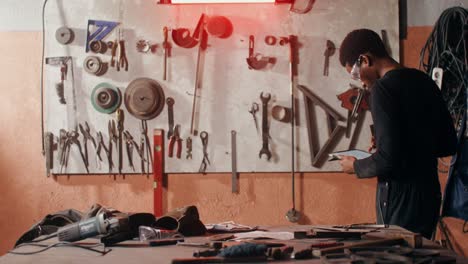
<point x="446" y="48"/>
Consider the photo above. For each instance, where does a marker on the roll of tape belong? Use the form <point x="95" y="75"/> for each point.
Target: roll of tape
<point x="281" y="113"/>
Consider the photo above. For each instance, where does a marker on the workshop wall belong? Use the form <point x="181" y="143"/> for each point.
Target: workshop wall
<point x="28" y="195"/>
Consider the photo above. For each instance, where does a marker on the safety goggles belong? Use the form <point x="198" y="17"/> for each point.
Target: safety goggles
<point x="356" y="70"/>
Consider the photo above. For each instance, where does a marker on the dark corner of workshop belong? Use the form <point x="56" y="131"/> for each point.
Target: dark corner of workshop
<point x="234" y="131"/>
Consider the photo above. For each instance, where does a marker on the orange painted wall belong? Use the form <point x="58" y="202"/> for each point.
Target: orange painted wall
<point x="28" y="195"/>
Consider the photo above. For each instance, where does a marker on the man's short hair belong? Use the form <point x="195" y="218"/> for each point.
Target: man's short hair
<point x="358" y="42"/>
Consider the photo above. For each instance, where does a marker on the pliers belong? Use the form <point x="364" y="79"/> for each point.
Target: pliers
<point x="175" y="140"/>
<point x="101" y="145"/>
<point x="86" y="132"/>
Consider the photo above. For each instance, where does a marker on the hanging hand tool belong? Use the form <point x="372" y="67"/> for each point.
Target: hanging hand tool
<point x="86" y="132"/>
<point x="49" y="151"/>
<point x="108" y="152"/>
<point x="122" y="59"/>
<point x="130" y="144"/>
<point x="170" y="116"/>
<point x="253" y="111"/>
<point x="63" y="63"/>
<point x="205" y="160"/>
<point x="188" y="145"/>
<point x="113" y="48"/>
<point x="256" y="61"/>
<point x="72" y="138"/>
<point x="62" y="147"/>
<point x="145" y="145"/>
<point x="175" y="140"/>
<point x="202" y="37"/>
<point x="120" y="128"/>
<point x="113" y="137"/>
<point x="265" y="129"/>
<point x="234" y="180"/>
<point x="329" y="51"/>
<point x="167" y="50"/>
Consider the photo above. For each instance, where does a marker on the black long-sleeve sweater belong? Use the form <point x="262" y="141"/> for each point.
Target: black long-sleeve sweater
<point x="412" y="128"/>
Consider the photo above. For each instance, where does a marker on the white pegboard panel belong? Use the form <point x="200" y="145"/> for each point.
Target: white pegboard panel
<point x="229" y="87"/>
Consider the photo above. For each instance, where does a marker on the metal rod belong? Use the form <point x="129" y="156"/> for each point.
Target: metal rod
<point x="293" y="115"/>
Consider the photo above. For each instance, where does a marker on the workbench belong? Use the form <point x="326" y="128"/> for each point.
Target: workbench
<point x="135" y="252"/>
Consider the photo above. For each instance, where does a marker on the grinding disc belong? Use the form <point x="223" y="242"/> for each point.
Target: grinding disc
<point x="106" y="98"/>
<point x="64" y="35"/>
<point x="93" y="65"/>
<point x="144" y="98"/>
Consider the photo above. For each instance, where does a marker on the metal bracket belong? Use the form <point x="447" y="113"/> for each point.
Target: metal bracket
<point x="335" y="130"/>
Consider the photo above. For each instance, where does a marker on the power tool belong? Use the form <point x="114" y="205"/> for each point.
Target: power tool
<point x="104" y="223"/>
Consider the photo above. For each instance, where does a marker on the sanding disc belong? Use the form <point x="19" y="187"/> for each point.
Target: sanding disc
<point x="64" y="35"/>
<point x="106" y="98"/>
<point x="144" y="98"/>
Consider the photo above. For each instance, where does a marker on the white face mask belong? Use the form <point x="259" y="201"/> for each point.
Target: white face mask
<point x="356" y="70"/>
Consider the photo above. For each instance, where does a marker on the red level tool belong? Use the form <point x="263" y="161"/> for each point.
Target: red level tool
<point x="158" y="171"/>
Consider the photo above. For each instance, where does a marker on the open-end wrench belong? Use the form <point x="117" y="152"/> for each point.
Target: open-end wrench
<point x="265" y="128"/>
<point x="170" y="116"/>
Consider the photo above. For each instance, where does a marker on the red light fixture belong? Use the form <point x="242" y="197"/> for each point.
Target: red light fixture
<point x="224" y="1"/>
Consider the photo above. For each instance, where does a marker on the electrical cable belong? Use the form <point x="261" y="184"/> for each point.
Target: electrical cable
<point x="42" y="75"/>
<point x="60" y="244"/>
<point x="446" y="48"/>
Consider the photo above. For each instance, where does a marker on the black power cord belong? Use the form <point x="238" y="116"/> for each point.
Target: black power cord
<point x="446" y="48"/>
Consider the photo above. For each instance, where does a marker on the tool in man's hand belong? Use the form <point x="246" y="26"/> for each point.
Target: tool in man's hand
<point x="206" y="161"/>
<point x="265" y="129"/>
<point x="253" y="111"/>
<point x="177" y="141"/>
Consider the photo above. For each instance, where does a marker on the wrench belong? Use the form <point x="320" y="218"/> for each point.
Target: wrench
<point x="265" y="128"/>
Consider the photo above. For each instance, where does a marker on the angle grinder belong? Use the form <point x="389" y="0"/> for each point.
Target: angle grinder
<point x="102" y="224"/>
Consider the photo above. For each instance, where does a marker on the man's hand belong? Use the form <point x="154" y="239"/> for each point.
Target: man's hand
<point x="347" y="164"/>
<point x="372" y="145"/>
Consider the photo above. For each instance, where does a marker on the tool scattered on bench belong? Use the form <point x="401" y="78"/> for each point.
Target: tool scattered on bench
<point x="316" y="233"/>
<point x="409" y="239"/>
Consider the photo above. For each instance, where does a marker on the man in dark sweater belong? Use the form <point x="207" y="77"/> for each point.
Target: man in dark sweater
<point x="412" y="128"/>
